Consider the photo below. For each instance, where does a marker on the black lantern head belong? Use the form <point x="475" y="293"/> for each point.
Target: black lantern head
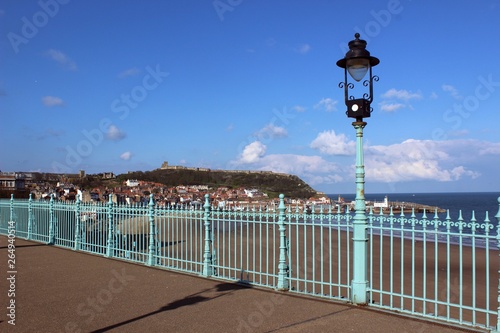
<point x="358" y="62"/>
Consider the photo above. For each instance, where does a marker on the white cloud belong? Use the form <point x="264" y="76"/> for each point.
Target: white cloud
<point x="62" y="59"/>
<point x="391" y="107"/>
<point x="299" y="108"/>
<point x="313" y="169"/>
<point x="404" y="95"/>
<point x="452" y="91"/>
<point x="304" y="48"/>
<point x="114" y="133"/>
<point x="52" y="101"/>
<point x="418" y="160"/>
<point x="492" y="148"/>
<point x="328" y="142"/>
<point x="327" y="104"/>
<point x="271" y="132"/>
<point x="393" y="98"/>
<point x="126" y="156"/>
<point x="252" y="153"/>
<point x="129" y="72"/>
<point x="298" y="164"/>
<point x="409" y="161"/>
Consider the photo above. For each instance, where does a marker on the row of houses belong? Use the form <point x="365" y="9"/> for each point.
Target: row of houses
<point x="133" y="191"/>
<point x="13" y="181"/>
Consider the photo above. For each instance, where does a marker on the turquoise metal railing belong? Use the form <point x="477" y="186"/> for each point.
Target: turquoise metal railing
<point x="419" y="264"/>
<point x="438" y="269"/>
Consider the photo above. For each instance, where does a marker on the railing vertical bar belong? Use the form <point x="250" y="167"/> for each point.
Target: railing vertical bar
<point x="497" y="216"/>
<point x="321" y="269"/>
<point x="460" y="269"/>
<point x="348" y="252"/>
<point x="436" y="268"/>
<point x="297" y="249"/>
<point x="171" y="241"/>
<point x="110" y="244"/>
<point x="448" y="268"/>
<point x="78" y="237"/>
<point x="152" y="233"/>
<point x="473" y="253"/>
<point x="424" y="263"/>
<point x="243" y="224"/>
<point x="413" y="219"/>
<point x="232" y="249"/>
<point x="11" y="208"/>
<point x="275" y="258"/>
<point x="224" y="247"/>
<point x="391" y="259"/>
<point x="305" y="252"/>
<point x="269" y="263"/>
<point x="370" y="255"/>
<point x="313" y="252"/>
<point x="193" y="254"/>
<point x="381" y="254"/>
<point x="339" y="252"/>
<point x="487" y="226"/>
<point x="51" y="221"/>
<point x="330" y="257"/>
<point x="260" y="248"/>
<point x="402" y="260"/>
<point x="30" y="217"/>
<point x="254" y="245"/>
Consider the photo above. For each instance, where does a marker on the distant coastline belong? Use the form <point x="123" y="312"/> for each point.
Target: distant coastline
<point x="453" y="202"/>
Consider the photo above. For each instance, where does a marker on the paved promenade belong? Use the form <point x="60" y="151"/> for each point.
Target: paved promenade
<point x="59" y="290"/>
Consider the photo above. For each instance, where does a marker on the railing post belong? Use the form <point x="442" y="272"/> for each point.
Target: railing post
<point x="11" y="217"/>
<point x="111" y="229"/>
<point x="498" y="275"/>
<point x="207" y="255"/>
<point x="78" y="236"/>
<point x="359" y="224"/>
<point x="52" y="236"/>
<point x="30" y="217"/>
<point x="152" y="232"/>
<point x="282" y="265"/>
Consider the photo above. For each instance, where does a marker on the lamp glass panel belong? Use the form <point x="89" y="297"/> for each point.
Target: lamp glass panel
<point x="357" y="68"/>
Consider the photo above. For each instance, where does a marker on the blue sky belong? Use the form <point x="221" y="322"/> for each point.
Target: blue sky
<point x="238" y="84"/>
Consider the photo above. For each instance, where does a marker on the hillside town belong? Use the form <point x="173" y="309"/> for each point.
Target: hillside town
<point x="133" y="192"/>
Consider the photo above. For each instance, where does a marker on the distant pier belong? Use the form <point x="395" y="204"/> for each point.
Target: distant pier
<point x="397" y="206"/>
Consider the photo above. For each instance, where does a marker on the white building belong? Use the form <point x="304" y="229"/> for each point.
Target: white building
<point x="384" y="204"/>
<point x="132" y="182"/>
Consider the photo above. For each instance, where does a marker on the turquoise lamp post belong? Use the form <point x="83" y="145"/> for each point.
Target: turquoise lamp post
<point x="358" y="62"/>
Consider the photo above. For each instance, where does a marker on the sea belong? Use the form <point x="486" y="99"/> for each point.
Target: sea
<point x="479" y="202"/>
<point x="483" y="204"/>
